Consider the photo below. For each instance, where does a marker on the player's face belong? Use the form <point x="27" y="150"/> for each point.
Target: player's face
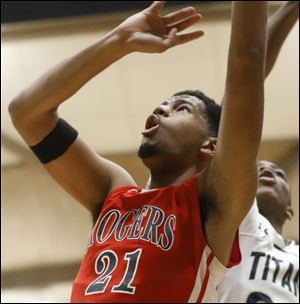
<point x="273" y="192"/>
<point x="175" y="130"/>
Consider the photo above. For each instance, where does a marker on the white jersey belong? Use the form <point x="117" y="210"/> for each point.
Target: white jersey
<point x="269" y="271"/>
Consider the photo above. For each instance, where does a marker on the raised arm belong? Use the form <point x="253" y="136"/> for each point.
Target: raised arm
<point x="279" y="26"/>
<point x="230" y="179"/>
<point x="34" y="111"/>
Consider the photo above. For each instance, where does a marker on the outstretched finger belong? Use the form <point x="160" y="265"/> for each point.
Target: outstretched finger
<point x="180" y="39"/>
<point x="187" y="23"/>
<point x="179" y="15"/>
<point x="157" y="6"/>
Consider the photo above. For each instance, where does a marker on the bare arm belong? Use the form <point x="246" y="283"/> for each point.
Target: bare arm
<point x="279" y="26"/>
<point x="34" y="111"/>
<point x="230" y="180"/>
<point x="81" y="172"/>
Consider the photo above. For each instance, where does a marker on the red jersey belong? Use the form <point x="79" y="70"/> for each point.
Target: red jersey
<point x="148" y="246"/>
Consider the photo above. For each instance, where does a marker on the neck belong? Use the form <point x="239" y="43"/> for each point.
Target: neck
<point x="165" y="178"/>
<point x="276" y="225"/>
<point x="276" y="222"/>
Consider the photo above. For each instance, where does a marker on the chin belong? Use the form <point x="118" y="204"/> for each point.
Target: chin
<point x="152" y="156"/>
<point x="265" y="193"/>
<point x="148" y="150"/>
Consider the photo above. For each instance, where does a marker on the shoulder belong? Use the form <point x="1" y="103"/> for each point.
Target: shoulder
<point x="292" y="247"/>
<point x="114" y="194"/>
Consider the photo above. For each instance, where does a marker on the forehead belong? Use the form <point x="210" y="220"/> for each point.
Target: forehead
<point x="192" y="100"/>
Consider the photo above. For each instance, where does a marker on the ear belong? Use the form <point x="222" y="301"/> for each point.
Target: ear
<point x="208" y="148"/>
<point x="289" y="213"/>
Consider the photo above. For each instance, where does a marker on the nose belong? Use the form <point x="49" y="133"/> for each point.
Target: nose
<point x="266" y="171"/>
<point x="162" y="110"/>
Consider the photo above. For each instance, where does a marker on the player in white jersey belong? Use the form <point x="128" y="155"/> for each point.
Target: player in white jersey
<point x="269" y="272"/>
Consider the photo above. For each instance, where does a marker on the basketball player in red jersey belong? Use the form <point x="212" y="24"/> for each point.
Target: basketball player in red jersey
<point x="173" y="241"/>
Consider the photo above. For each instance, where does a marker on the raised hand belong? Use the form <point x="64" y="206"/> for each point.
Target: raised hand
<point x="149" y="32"/>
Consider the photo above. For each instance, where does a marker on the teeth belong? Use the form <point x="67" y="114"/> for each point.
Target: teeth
<point x="267" y="174"/>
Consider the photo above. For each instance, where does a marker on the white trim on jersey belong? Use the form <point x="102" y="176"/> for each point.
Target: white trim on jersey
<point x="209" y="275"/>
<point x="200" y="276"/>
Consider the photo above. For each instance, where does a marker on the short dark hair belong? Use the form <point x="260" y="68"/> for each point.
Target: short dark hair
<point x="213" y="110"/>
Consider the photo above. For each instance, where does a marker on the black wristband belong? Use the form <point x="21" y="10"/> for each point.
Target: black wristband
<point x="55" y="143"/>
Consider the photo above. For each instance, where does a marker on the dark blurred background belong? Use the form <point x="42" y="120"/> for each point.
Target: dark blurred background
<point x="14" y="11"/>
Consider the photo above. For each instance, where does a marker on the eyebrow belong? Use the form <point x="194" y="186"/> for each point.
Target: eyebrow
<point x="178" y="102"/>
<point x="280" y="170"/>
<point x="276" y="168"/>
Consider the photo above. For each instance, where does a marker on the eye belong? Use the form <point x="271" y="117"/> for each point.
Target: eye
<point x="280" y="173"/>
<point x="183" y="108"/>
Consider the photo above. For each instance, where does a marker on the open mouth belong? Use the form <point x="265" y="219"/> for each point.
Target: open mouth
<point x="266" y="178"/>
<point x="151" y="126"/>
